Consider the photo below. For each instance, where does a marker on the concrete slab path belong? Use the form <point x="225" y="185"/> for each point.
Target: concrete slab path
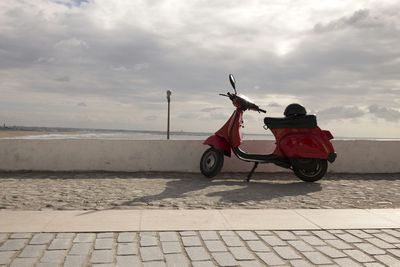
<point x="181" y="220"/>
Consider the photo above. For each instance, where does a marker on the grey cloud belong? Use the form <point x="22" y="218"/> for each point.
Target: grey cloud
<point x="120" y="68"/>
<point x="81" y="104"/>
<point x="129" y="47"/>
<point x="63" y="79"/>
<point x="350" y="60"/>
<point x="188" y="116"/>
<point x="217" y="116"/>
<point x="274" y="105"/>
<point x="360" y="18"/>
<point x="44" y="60"/>
<point x="393" y="91"/>
<point x="72" y="43"/>
<point x="207" y="116"/>
<point x="389" y="114"/>
<point x="141" y="66"/>
<point x="71" y="3"/>
<point x="151" y="118"/>
<point x="210" y="109"/>
<point x="341" y="112"/>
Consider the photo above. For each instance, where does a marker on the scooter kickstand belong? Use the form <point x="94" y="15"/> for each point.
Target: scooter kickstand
<point x="251" y="172"/>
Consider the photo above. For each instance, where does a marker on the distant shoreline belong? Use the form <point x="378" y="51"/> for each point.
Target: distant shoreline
<point x="47" y="133"/>
<point x="25" y="132"/>
<point x="94" y="130"/>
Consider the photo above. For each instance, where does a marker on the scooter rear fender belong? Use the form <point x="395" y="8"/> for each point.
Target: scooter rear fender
<point x="305" y="146"/>
<point x="219" y="143"/>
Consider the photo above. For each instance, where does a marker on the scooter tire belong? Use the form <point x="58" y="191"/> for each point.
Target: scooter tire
<point x="211" y="162"/>
<point x="312" y="176"/>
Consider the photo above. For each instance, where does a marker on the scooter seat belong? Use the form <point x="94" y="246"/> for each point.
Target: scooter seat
<point x="306" y="121"/>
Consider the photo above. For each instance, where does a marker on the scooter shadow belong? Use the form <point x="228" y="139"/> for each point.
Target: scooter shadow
<point x="264" y="191"/>
<point x="233" y="190"/>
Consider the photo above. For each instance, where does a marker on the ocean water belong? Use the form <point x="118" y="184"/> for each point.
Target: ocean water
<point x="131" y="135"/>
<point x="73" y="133"/>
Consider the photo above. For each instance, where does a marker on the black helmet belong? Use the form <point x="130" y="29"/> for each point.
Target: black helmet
<point x="294" y="110"/>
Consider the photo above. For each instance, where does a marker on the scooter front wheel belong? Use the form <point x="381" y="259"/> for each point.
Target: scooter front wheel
<point x="211" y="162"/>
<point x="310" y="170"/>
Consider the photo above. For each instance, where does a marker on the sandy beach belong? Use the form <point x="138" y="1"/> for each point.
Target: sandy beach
<point x="6" y="134"/>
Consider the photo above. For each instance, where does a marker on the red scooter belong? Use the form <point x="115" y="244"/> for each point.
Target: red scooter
<point x="300" y="144"/>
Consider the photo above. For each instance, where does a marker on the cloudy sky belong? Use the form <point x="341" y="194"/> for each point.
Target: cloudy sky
<point x="107" y="64"/>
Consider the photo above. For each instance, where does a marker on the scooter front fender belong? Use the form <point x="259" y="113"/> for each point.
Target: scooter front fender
<point x="219" y="143"/>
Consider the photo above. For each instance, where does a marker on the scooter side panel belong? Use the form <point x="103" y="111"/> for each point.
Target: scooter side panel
<point x="301" y="145"/>
<point x="219" y="143"/>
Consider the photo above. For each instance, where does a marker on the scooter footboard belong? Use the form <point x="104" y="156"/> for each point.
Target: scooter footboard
<point x="219" y="143"/>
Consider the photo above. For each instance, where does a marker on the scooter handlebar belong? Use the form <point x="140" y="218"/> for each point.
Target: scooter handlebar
<point x="250" y="106"/>
<point x="254" y="107"/>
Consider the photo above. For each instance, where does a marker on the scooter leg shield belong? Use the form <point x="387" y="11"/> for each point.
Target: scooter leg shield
<point x="219" y="143"/>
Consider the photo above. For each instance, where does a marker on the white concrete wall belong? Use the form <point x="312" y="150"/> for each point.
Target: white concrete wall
<point x="124" y="155"/>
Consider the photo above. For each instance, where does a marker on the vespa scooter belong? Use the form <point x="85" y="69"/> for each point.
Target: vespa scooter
<point x="300" y="144"/>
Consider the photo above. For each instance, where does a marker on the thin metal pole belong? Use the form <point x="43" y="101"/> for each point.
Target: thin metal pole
<point x="169" y="100"/>
<point x="168" y="119"/>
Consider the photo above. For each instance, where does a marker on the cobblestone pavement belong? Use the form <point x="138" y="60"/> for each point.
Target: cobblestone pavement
<point x="101" y="190"/>
<point x="203" y="248"/>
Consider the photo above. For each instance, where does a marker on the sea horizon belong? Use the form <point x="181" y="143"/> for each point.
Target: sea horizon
<point x="123" y="134"/>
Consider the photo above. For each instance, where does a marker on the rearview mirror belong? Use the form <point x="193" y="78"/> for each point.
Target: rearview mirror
<point x="232" y="81"/>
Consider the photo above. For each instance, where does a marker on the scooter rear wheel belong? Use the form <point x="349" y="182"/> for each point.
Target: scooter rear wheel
<point x="310" y="170"/>
<point x="211" y="162"/>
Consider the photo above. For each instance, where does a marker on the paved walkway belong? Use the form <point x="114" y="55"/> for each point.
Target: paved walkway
<point x="374" y="247"/>
<point x="167" y="219"/>
<point x="201" y="238"/>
